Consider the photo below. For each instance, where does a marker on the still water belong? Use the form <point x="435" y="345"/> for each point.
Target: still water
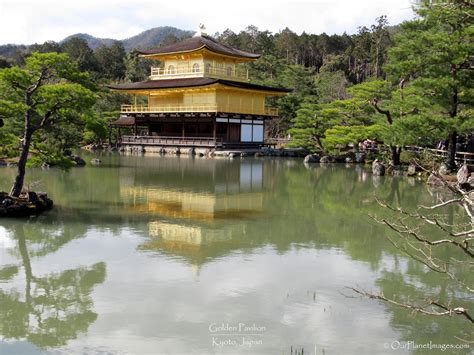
<point x="166" y="255"/>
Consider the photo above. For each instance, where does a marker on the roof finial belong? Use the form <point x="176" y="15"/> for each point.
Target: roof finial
<point x="201" y="30"/>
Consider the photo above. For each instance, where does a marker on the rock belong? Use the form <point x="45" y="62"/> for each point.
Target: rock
<point x="434" y="180"/>
<point x="348" y="160"/>
<point x="78" y="160"/>
<point x="96" y="161"/>
<point x="326" y="159"/>
<point x="259" y="154"/>
<point x="45" y="166"/>
<point x="359" y="158"/>
<point x="233" y="155"/>
<point x="42" y="195"/>
<point x="243" y="154"/>
<point x="411" y="171"/>
<point x="397" y="172"/>
<point x="33" y="197"/>
<point x="443" y="169"/>
<point x="470" y="181"/>
<point x="30" y="204"/>
<point x="378" y="169"/>
<point x="463" y="174"/>
<point x="3" y="162"/>
<point x="311" y="158"/>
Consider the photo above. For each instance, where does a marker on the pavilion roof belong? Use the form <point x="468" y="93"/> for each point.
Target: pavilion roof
<point x="192" y="82"/>
<point x="197" y="43"/>
<point x="123" y="121"/>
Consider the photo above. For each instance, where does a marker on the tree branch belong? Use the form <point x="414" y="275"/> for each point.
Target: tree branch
<point x="448" y="311"/>
<point x="374" y="102"/>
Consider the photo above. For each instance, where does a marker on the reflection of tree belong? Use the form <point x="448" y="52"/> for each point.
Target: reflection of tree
<point x="414" y="285"/>
<point x="55" y="307"/>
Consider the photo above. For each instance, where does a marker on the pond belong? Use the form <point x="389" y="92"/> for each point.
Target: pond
<point x="175" y="255"/>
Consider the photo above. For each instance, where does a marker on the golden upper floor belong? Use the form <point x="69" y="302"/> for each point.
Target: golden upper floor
<point x="199" y="56"/>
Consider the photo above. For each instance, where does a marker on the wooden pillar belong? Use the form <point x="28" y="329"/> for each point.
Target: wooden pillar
<point x="182" y="122"/>
<point x="214" y="124"/>
<point x="135" y="129"/>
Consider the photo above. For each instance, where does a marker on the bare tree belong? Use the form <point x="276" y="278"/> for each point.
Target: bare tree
<point x="450" y="255"/>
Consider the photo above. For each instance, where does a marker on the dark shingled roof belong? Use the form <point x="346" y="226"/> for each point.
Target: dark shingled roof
<point x="192" y="82"/>
<point x="123" y="121"/>
<point x="195" y="43"/>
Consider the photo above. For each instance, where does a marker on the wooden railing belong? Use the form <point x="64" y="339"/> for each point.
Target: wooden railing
<point x="172" y="141"/>
<point x="168" y="108"/>
<point x="214" y="72"/>
<point x="267" y="111"/>
<point x="461" y="157"/>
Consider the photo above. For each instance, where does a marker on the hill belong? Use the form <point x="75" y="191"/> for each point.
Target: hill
<point x="145" y="40"/>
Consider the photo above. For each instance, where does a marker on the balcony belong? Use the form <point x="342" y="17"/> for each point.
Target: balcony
<point x="212" y="72"/>
<point x="267" y="111"/>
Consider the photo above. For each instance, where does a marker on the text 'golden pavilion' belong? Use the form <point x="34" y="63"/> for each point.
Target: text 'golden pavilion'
<point x="200" y="96"/>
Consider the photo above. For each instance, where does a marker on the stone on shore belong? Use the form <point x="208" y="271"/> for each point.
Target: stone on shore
<point x="359" y="158"/>
<point x="411" y="170"/>
<point x="434" y="180"/>
<point x="443" y="169"/>
<point x="78" y="160"/>
<point x="463" y="174"/>
<point x="326" y="159"/>
<point x="311" y="158"/>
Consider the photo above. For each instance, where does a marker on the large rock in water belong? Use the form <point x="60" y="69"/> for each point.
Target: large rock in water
<point x="78" y="160"/>
<point x="378" y="169"/>
<point x="28" y="204"/>
<point x="463" y="174"/>
<point x="326" y="159"/>
<point x="311" y="158"/>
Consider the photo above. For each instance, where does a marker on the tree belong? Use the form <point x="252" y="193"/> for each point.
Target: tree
<point x="392" y="114"/>
<point x="136" y="68"/>
<point x="46" y="47"/>
<point x="54" y="308"/>
<point x="308" y="127"/>
<point x="111" y="60"/>
<point x="434" y="53"/>
<point x="48" y="93"/>
<point x="80" y="52"/>
<point x="442" y="247"/>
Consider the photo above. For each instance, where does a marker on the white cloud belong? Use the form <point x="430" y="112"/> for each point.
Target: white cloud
<point x="28" y="21"/>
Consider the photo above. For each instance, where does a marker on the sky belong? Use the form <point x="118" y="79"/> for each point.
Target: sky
<point x="29" y="21"/>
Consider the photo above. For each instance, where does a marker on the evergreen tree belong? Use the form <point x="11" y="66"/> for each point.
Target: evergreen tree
<point x="434" y="53"/>
<point x="38" y="102"/>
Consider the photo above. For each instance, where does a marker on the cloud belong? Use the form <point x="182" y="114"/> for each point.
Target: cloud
<point x="31" y="21"/>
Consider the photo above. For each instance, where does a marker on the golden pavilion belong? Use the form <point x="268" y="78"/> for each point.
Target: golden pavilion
<point x="199" y="96"/>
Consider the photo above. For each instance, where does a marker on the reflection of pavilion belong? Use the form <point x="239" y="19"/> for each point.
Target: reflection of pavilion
<point x="202" y="218"/>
